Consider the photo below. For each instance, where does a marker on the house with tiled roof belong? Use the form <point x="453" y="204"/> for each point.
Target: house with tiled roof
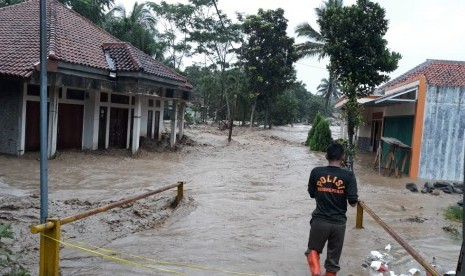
<point x="102" y="92"/>
<point x="423" y="108"/>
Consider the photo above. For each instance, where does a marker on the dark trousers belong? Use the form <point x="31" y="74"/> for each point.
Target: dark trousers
<point x="322" y="231"/>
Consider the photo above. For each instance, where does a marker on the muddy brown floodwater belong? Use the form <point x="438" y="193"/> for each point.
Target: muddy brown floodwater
<point x="247" y="208"/>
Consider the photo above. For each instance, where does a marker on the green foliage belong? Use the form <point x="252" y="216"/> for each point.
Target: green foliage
<point x="94" y="10"/>
<point x="9" y="262"/>
<point x="454" y="212"/>
<point x="4" y="3"/>
<point x="311" y="132"/>
<point x="174" y="27"/>
<point x="138" y="28"/>
<point x="322" y="136"/>
<point x="329" y="89"/>
<point x="267" y="55"/>
<point x="354" y="41"/>
<point x="353" y="38"/>
<point x="284" y="109"/>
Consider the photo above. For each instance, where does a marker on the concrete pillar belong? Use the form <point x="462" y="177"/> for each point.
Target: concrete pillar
<point x="22" y="142"/>
<point x="174" y="120"/>
<point x="161" y="126"/>
<point x="96" y="118"/>
<point x="136" y="125"/>
<point x="182" y="110"/>
<point x="52" y="121"/>
<point x="91" y="120"/>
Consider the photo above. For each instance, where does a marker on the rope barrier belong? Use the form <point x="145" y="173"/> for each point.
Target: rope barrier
<point x="159" y="262"/>
<point x="116" y="259"/>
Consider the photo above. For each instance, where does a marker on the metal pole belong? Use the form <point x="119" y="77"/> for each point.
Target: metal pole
<point x="43" y="113"/>
<point x="460" y="269"/>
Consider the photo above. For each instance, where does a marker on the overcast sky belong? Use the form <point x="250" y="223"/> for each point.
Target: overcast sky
<point x="418" y="29"/>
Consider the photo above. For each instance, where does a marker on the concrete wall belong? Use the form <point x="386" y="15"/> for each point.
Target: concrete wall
<point x="11" y="97"/>
<point x="91" y="120"/>
<point x="443" y="141"/>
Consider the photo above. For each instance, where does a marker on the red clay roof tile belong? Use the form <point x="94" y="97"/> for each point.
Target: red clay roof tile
<point x="71" y="38"/>
<point x="437" y="73"/>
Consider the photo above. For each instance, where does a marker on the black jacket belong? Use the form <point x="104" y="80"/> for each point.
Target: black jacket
<point x="332" y="187"/>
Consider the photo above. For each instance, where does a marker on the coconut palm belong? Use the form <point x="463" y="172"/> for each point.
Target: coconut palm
<point x="138" y="27"/>
<point x="329" y="89"/>
<point x="314" y="47"/>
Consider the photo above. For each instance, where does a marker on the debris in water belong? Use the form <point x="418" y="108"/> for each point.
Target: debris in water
<point x="414" y="271"/>
<point x="388" y="248"/>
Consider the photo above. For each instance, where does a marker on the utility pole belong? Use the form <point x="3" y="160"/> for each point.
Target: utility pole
<point x="43" y="114"/>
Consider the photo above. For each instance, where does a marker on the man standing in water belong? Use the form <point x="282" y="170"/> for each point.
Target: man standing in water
<point x="332" y="187"/>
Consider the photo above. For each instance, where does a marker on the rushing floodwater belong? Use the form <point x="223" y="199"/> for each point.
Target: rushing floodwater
<point x="252" y="209"/>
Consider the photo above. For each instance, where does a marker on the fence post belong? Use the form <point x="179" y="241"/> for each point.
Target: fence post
<point x="359" y="220"/>
<point x="50" y="250"/>
<point x="180" y="195"/>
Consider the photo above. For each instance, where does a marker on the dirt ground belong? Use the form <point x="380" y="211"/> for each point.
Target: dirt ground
<point x="246" y="207"/>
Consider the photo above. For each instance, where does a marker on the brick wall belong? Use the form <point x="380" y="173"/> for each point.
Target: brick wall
<point x="10" y="114"/>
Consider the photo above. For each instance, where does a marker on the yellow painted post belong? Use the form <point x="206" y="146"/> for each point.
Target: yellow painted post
<point x="50" y="250"/>
<point x="180" y="195"/>
<point x="359" y="220"/>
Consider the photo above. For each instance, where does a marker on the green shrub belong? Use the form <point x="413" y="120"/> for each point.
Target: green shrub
<point x="9" y="261"/>
<point x="454" y="212"/>
<point x="322" y="136"/>
<point x="311" y="132"/>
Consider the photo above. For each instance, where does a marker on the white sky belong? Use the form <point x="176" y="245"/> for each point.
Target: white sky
<point x="418" y="29"/>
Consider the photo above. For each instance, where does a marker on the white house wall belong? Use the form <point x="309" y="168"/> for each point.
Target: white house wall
<point x="443" y="141"/>
<point x="91" y="120"/>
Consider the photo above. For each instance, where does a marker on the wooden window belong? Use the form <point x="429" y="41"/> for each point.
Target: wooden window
<point x="150" y="103"/>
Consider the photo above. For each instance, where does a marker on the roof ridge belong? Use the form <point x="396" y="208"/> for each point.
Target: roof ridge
<point x="53" y="32"/>
<point x="134" y="59"/>
<point x="446" y="61"/>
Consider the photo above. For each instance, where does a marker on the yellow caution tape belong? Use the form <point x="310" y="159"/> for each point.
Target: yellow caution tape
<point x="110" y="251"/>
<point x="116" y="259"/>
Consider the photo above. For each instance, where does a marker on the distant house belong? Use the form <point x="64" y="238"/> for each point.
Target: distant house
<point x="425" y="109"/>
<point x="102" y="92"/>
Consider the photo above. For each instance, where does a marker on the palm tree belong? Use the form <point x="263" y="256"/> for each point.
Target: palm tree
<point x="314" y="47"/>
<point x="329" y="89"/>
<point x="138" y="27"/>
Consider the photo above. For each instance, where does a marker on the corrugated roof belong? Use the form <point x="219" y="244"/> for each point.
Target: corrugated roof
<point x="71" y="38"/>
<point x="437" y="73"/>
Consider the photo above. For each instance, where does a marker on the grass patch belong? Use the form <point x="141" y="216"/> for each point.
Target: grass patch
<point x="454" y="212"/>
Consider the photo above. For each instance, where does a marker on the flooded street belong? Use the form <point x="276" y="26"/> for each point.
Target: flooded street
<point x="248" y="211"/>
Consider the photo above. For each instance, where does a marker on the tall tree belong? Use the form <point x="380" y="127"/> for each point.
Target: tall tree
<point x="314" y="46"/>
<point x="214" y="34"/>
<point x="174" y="24"/>
<point x="94" y="10"/>
<point x="359" y="58"/>
<point x="137" y="27"/>
<point x="329" y="89"/>
<point x="268" y="55"/>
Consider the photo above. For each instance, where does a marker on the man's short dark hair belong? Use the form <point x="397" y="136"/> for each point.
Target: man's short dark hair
<point x="334" y="152"/>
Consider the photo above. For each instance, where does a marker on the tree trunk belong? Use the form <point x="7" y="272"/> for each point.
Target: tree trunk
<point x="252" y="118"/>
<point x="351" y="124"/>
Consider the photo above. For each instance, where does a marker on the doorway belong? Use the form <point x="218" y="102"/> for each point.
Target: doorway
<point x="102" y="127"/>
<point x="118" y="127"/>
